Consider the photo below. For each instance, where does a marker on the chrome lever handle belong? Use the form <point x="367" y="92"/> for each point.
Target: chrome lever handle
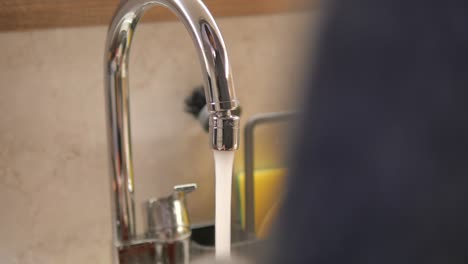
<point x="186" y="188"/>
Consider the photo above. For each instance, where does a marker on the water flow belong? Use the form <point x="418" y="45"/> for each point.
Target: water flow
<point x="223" y="169"/>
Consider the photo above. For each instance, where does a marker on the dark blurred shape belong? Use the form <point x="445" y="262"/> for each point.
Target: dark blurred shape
<point x="195" y="104"/>
<point x="204" y="235"/>
<point x="380" y="172"/>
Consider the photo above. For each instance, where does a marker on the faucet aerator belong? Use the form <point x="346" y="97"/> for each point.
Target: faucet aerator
<point x="224" y="132"/>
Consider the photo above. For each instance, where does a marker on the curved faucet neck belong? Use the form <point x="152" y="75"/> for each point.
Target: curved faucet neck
<point x="219" y="91"/>
<point x="219" y="87"/>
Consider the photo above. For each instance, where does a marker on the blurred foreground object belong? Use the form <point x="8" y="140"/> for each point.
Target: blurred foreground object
<point x="380" y="168"/>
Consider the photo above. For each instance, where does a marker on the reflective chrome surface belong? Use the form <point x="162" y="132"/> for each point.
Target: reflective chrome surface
<point x="150" y="251"/>
<point x="224" y="132"/>
<point x="219" y="91"/>
<point x="167" y="217"/>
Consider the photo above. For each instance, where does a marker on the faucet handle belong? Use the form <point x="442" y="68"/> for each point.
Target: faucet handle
<point x="167" y="217"/>
<point x="186" y="188"/>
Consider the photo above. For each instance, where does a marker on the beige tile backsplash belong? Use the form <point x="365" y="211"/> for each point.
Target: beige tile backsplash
<point x="54" y="177"/>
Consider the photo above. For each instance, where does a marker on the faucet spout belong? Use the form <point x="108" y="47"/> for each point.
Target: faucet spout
<point x="219" y="91"/>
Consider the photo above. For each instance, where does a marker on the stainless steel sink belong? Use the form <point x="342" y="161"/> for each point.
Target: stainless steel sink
<point x="244" y="245"/>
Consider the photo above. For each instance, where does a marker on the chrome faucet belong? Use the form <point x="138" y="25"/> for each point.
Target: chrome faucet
<point x="220" y="97"/>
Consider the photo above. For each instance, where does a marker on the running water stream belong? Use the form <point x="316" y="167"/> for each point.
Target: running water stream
<point x="223" y="169"/>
